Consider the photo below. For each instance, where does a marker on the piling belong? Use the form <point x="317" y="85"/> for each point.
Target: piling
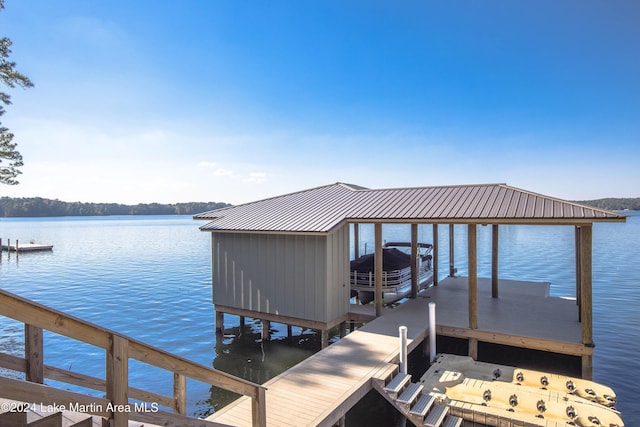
<point x="432" y="332"/>
<point x="403" y="349"/>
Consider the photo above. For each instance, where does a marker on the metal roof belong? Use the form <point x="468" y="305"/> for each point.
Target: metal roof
<point x="321" y="209"/>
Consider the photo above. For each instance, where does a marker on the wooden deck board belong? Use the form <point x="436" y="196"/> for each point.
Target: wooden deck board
<point x="523" y="309"/>
<point x="320" y="389"/>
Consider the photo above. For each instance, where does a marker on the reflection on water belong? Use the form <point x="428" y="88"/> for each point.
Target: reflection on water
<point x="243" y="353"/>
<point x="150" y="278"/>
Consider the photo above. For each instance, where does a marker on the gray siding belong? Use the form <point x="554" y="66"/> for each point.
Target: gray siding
<point x="338" y="289"/>
<point x="282" y="274"/>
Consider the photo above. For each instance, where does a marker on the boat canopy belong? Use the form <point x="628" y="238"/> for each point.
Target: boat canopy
<point x="392" y="259"/>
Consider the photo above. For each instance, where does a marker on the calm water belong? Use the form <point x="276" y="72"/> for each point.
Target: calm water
<point x="150" y="278"/>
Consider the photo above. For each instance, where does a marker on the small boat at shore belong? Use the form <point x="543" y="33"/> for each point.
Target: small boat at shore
<point x="498" y="395"/>
<point x="396" y="266"/>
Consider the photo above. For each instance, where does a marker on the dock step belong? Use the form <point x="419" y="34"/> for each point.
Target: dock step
<point x="452" y="421"/>
<point x="435" y="417"/>
<point x="422" y="406"/>
<point x="13" y="419"/>
<point x="410" y="394"/>
<point x="53" y="420"/>
<point x="397" y="384"/>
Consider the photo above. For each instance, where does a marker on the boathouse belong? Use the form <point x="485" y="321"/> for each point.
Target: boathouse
<point x="286" y="259"/>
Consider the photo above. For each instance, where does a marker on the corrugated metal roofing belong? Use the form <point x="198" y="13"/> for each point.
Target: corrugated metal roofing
<point x="320" y="209"/>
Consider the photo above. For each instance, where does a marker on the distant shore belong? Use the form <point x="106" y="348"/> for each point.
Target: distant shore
<point x="40" y="207"/>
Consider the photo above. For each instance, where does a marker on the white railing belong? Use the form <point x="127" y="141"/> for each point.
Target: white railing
<point x="391" y="279"/>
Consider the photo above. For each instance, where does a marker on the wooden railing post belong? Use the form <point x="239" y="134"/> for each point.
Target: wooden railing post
<point x="118" y="380"/>
<point x="259" y="408"/>
<point x="180" y="393"/>
<point x="33" y="353"/>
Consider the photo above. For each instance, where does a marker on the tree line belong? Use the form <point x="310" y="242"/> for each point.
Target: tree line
<point x="39" y="207"/>
<point x="614" y="204"/>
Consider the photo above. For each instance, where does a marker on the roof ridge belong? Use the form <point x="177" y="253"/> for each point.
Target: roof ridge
<point x="434" y="186"/>
<point x="348" y="186"/>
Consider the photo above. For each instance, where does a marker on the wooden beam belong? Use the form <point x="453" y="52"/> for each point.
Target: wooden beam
<point x="277" y="318"/>
<point x="435" y="255"/>
<point x="585" y="285"/>
<point x="69" y="377"/>
<point x="259" y="408"/>
<point x="378" y="268"/>
<point x="118" y="380"/>
<point x="494" y="260"/>
<point x="586" y="303"/>
<point x="180" y="393"/>
<point x="324" y="338"/>
<point x="24" y="391"/>
<point x="356" y="240"/>
<point x="34" y="354"/>
<point x="473" y="275"/>
<point x="552" y="346"/>
<point x="266" y="330"/>
<point x="414" y="261"/>
<point x="219" y="322"/>
<point x="451" y="252"/>
<point x="578" y="268"/>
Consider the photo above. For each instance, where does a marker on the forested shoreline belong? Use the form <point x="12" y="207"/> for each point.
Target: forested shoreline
<point x="614" y="204"/>
<point x="40" y="207"/>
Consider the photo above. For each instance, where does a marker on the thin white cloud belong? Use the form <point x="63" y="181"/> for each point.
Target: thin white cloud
<point x="222" y="172"/>
<point x="257" y="177"/>
<point x="205" y="164"/>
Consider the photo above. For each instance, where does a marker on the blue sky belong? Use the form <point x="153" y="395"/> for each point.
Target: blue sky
<point x="174" y="101"/>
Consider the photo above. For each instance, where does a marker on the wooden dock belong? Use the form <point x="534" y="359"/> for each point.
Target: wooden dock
<point x="25" y="247"/>
<point x="523" y="316"/>
<point x="321" y="389"/>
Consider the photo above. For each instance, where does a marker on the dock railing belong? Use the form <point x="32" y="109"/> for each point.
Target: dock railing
<point x="118" y="350"/>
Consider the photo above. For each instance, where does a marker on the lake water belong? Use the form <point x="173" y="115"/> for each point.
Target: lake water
<point x="149" y="277"/>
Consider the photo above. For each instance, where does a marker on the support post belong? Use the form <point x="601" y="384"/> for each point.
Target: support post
<point x="219" y="322"/>
<point x="242" y="323"/>
<point x="432" y="332"/>
<point x="586" y="296"/>
<point x="473" y="276"/>
<point x="118" y="380"/>
<point x="356" y="240"/>
<point x="343" y="329"/>
<point x="473" y="348"/>
<point x="578" y="270"/>
<point x="414" y="261"/>
<point x="33" y="353"/>
<point x="403" y="349"/>
<point x="259" y="409"/>
<point x="494" y="260"/>
<point x="435" y="255"/>
<point x="324" y="338"/>
<point x="266" y="332"/>
<point x="377" y="261"/>
<point x="451" y="252"/>
<point x="180" y="393"/>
